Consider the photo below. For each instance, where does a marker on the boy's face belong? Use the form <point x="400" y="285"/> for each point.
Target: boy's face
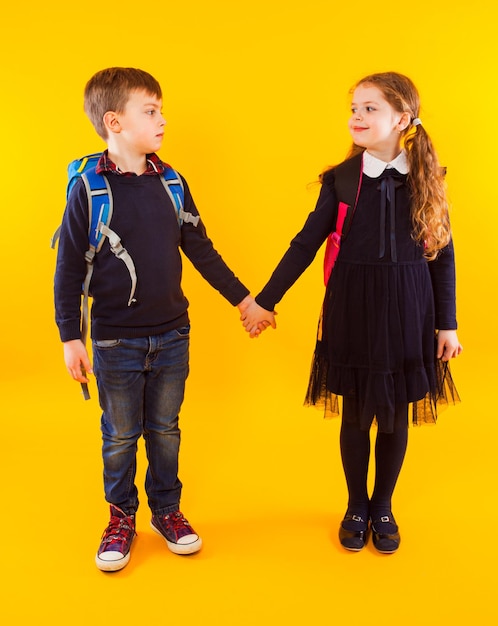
<point x="141" y="125"/>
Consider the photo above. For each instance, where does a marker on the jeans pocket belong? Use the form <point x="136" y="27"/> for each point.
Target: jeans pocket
<point x="106" y="343"/>
<point x="184" y="331"/>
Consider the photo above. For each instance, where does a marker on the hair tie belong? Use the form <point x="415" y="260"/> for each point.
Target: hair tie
<point x="417" y="121"/>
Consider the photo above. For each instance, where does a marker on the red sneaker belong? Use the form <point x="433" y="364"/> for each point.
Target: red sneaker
<point x="114" y="550"/>
<point x="178" y="533"/>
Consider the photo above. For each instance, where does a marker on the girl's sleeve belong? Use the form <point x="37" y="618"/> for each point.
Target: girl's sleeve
<point x="303" y="248"/>
<point x="442" y="271"/>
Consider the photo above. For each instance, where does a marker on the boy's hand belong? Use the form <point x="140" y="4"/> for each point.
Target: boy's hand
<point x="243" y="306"/>
<point x="448" y="346"/>
<point x="77" y="360"/>
<point x="254" y="318"/>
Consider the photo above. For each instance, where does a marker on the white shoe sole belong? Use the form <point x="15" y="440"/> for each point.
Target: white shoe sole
<point x="111" y="566"/>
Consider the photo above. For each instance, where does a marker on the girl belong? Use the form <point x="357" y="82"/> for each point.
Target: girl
<point x="392" y="291"/>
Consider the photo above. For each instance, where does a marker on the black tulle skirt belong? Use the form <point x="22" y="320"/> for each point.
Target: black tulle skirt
<point x="376" y="344"/>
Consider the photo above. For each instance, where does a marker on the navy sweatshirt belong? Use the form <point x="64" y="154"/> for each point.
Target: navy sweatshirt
<point x="146" y="221"/>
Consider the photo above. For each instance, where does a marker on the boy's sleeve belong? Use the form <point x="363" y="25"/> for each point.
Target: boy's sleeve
<point x="200" y="251"/>
<point x="71" y="266"/>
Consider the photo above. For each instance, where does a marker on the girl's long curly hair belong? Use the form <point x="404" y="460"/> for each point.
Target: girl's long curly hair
<point x="431" y="226"/>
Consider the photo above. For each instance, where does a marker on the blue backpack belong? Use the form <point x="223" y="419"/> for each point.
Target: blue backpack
<point x="100" y="208"/>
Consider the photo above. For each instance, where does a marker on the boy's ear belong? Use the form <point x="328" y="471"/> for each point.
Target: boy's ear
<point x="111" y="122"/>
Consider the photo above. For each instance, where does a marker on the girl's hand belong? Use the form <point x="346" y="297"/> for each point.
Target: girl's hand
<point x="448" y="346"/>
<point x="255" y="319"/>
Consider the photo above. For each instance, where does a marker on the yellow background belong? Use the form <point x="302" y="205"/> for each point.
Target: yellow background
<point x="256" y="98"/>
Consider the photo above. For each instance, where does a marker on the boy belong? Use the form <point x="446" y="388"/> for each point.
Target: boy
<point x="140" y="343"/>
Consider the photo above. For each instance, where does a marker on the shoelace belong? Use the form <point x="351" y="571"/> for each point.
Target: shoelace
<point x="177" y="519"/>
<point x="119" y="530"/>
<point x="177" y="522"/>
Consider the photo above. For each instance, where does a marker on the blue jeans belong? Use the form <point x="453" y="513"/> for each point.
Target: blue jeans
<point x="141" y="385"/>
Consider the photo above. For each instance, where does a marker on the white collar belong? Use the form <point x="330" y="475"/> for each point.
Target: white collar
<point x="373" y="167"/>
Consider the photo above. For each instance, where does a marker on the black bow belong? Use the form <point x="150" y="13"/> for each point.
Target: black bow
<point x="389" y="182"/>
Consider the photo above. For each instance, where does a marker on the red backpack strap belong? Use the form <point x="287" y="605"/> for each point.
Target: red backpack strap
<point x="347" y="183"/>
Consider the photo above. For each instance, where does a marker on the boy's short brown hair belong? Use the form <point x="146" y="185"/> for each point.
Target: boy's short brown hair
<point x="110" y="89"/>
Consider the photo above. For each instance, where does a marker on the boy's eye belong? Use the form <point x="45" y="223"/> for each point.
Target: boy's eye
<point x="370" y="109"/>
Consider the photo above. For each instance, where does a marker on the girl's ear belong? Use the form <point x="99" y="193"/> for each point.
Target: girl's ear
<point x="404" y="121"/>
<point x="111" y="122"/>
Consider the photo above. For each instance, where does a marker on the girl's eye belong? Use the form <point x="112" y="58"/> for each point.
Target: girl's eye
<point x="368" y="109"/>
<point x="151" y="112"/>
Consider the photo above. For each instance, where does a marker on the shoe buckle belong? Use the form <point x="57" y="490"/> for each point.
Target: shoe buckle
<point x="357" y="518"/>
<point x="385" y="518"/>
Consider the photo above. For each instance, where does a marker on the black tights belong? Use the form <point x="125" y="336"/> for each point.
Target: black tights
<point x="390" y="451"/>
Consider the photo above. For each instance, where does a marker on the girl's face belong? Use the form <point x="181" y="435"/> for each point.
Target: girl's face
<point x="374" y="124"/>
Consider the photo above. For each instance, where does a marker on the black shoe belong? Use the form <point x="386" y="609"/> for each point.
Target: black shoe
<point x="355" y="537"/>
<point x="385" y="534"/>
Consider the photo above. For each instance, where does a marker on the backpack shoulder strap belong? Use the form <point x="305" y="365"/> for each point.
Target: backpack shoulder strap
<point x="173" y="184"/>
<point x="77" y="167"/>
<point x="100" y="208"/>
<point x="100" y="205"/>
<point x="76" y="170"/>
<point x="347" y="184"/>
<point x="348" y="177"/>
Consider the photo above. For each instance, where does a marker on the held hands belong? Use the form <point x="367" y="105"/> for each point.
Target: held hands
<point x="448" y="346"/>
<point x="254" y="318"/>
<point x="77" y="360"/>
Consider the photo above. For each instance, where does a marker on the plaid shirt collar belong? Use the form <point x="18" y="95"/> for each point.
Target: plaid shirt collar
<point x="154" y="166"/>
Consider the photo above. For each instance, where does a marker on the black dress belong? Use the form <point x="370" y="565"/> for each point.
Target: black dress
<point x="382" y="306"/>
